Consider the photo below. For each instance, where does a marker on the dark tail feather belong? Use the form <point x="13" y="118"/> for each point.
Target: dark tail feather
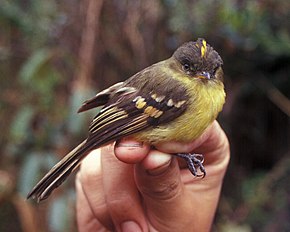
<point x="58" y="173"/>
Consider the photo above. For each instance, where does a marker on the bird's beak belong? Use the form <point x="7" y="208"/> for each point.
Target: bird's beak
<point x="203" y="75"/>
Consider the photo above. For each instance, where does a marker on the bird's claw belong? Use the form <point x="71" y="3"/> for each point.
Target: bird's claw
<point x="194" y="162"/>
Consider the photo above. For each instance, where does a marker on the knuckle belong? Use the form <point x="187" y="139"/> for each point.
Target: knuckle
<point x="90" y="171"/>
<point x="120" y="202"/>
<point x="89" y="176"/>
<point x="164" y="191"/>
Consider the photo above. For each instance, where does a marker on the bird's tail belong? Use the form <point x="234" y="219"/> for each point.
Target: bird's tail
<point x="58" y="173"/>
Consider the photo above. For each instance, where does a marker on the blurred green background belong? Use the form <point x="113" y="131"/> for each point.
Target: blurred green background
<point x="55" y="54"/>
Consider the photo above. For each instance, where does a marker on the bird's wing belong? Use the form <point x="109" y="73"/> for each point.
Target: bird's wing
<point x="133" y="110"/>
<point x="101" y="98"/>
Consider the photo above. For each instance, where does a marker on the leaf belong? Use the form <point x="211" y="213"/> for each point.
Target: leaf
<point x="21" y="124"/>
<point x="34" y="64"/>
<point x="40" y="77"/>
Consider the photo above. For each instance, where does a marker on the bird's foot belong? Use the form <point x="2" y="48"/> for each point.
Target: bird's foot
<point x="194" y="162"/>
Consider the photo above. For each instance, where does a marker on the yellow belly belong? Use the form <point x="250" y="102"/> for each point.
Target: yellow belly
<point x="201" y="112"/>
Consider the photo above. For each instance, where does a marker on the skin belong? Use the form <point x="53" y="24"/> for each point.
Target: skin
<point x="131" y="187"/>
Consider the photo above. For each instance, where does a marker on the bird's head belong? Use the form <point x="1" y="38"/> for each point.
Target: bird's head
<point x="199" y="60"/>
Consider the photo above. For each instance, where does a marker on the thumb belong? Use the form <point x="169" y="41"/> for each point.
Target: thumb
<point x="166" y="199"/>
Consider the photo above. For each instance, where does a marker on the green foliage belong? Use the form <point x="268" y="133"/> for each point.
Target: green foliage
<point x="31" y="70"/>
<point x="21" y="124"/>
<point x="245" y="27"/>
<point x="247" y="24"/>
<point x="40" y="78"/>
<point x="269" y="206"/>
<point x="34" y="19"/>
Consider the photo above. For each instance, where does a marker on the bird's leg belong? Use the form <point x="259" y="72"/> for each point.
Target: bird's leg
<point x="194" y="162"/>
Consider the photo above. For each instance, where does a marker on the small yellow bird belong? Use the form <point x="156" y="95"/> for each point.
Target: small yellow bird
<point x="172" y="100"/>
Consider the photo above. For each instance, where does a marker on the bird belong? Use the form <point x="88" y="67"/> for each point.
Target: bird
<point x="172" y="100"/>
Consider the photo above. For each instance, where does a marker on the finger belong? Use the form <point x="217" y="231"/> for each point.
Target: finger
<point x="131" y="151"/>
<point x="181" y="147"/>
<point x="86" y="220"/>
<point x="217" y="156"/>
<point x="90" y="177"/>
<point x="215" y="148"/>
<point x="213" y="144"/>
<point x="122" y="196"/>
<point x="164" y="195"/>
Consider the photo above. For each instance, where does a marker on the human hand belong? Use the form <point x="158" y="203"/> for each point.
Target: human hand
<point x="147" y="189"/>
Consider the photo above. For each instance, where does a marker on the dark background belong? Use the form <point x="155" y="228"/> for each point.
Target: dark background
<point x="55" y="54"/>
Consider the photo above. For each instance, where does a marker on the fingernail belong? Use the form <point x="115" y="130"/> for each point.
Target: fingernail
<point x="130" y="226"/>
<point x="164" y="160"/>
<point x="128" y="144"/>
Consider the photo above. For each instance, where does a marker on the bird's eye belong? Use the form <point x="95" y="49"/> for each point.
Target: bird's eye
<point x="186" y="67"/>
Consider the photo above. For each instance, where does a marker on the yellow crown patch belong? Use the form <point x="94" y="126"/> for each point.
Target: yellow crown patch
<point x="203" y="48"/>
